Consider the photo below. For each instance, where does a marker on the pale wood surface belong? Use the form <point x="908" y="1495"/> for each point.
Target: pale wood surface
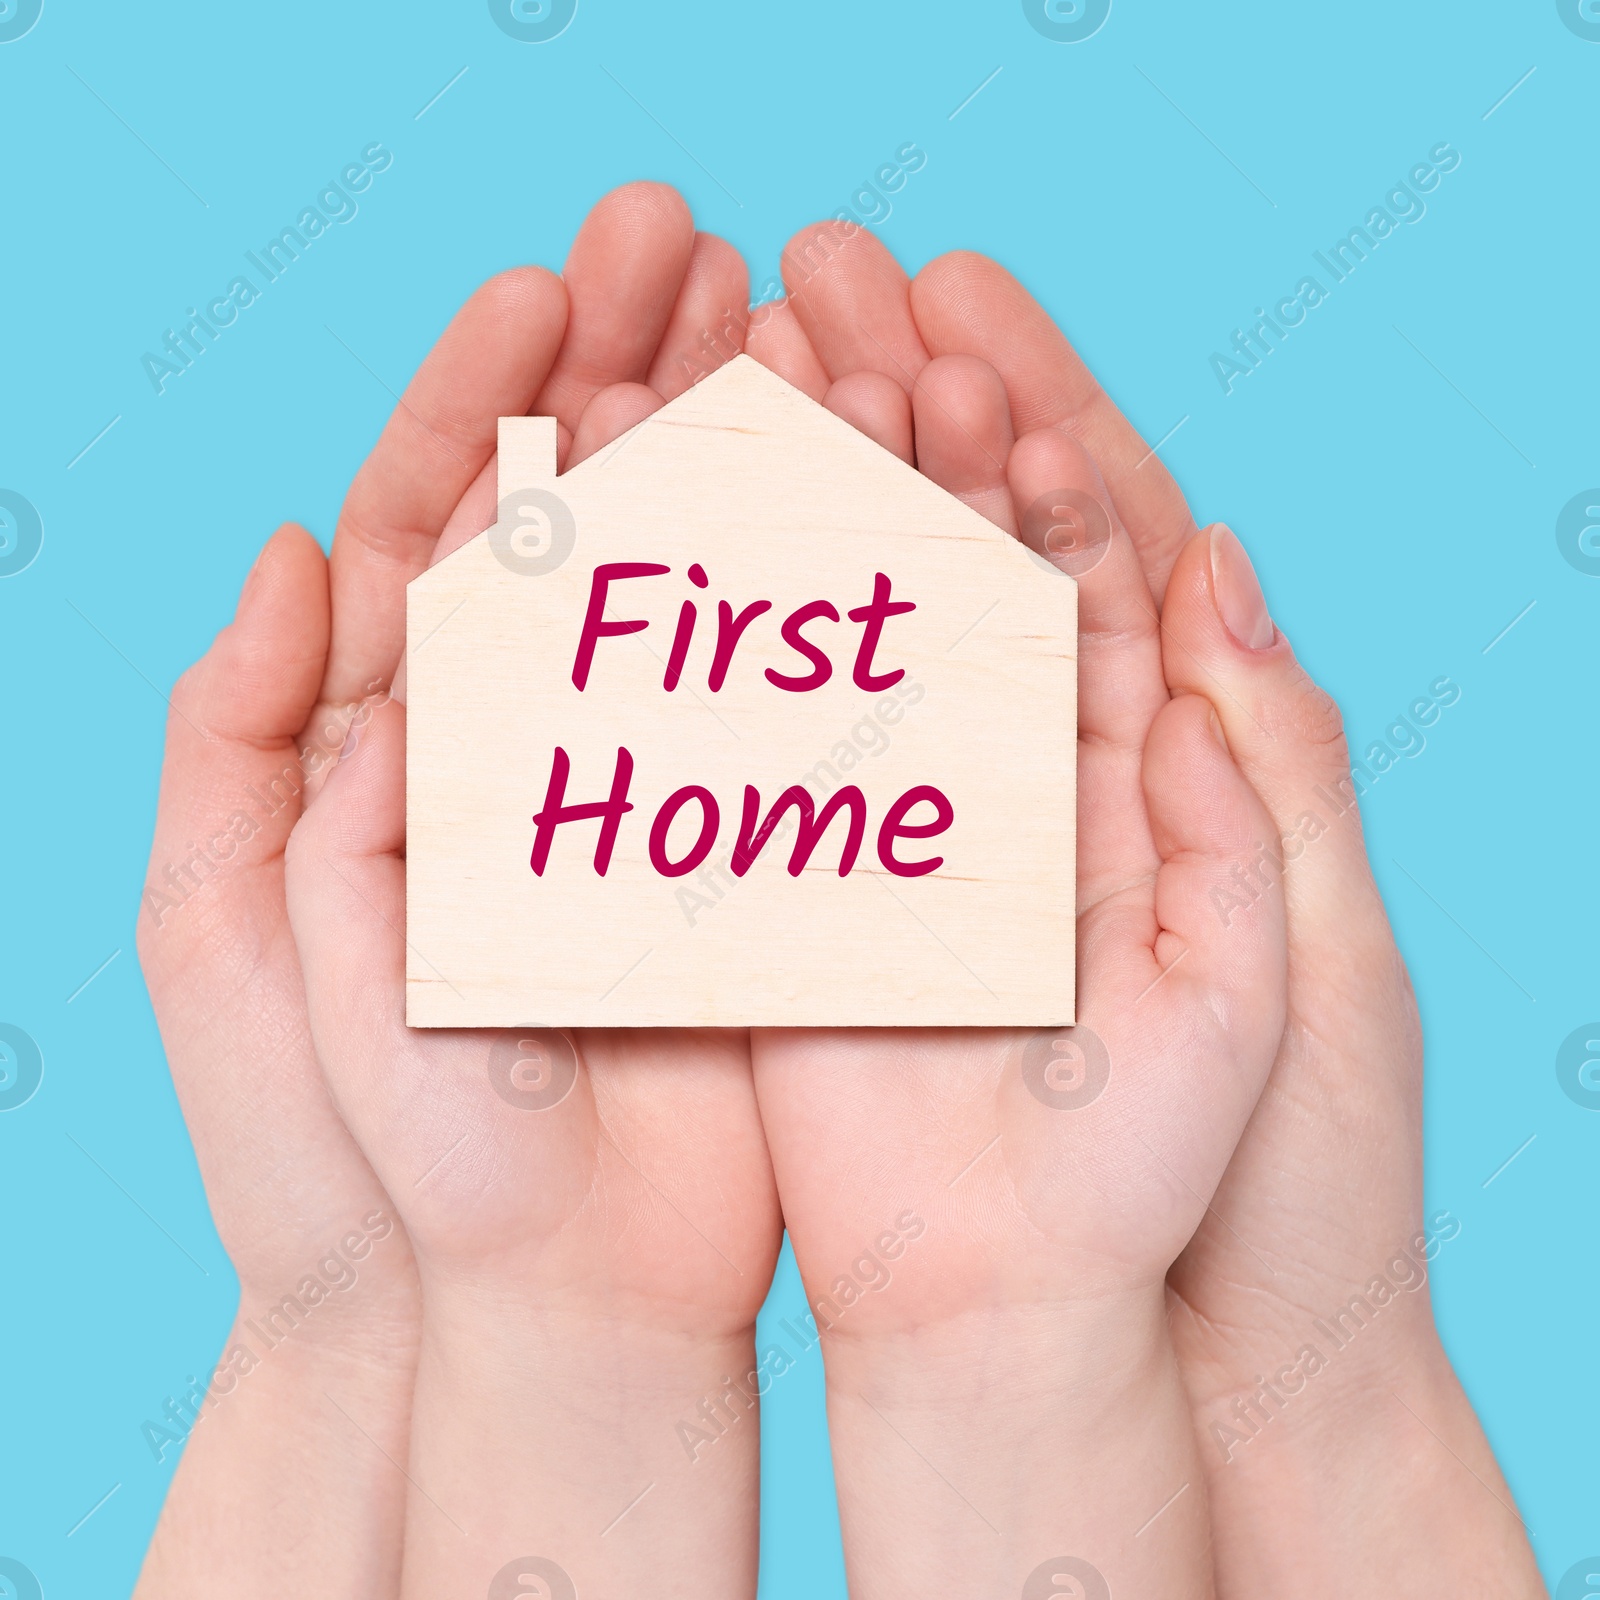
<point x="777" y="499"/>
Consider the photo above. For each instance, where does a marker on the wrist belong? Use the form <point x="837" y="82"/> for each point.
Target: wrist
<point x="263" y="1384"/>
<point x="1369" y="1460"/>
<point x="326" y="1316"/>
<point x="503" y="1339"/>
<point x="610" y="1444"/>
<point x="1084" y="1356"/>
<point x="1306" y="1377"/>
<point x="971" y="1451"/>
<point x="297" y="1434"/>
<point x="353" y="1298"/>
<point x="654" y="1390"/>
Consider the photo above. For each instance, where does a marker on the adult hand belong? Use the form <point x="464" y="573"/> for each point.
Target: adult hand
<point x="1336" y="1465"/>
<point x="305" y="1415"/>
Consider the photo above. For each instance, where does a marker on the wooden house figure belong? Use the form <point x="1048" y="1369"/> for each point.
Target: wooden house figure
<point x="740" y="722"/>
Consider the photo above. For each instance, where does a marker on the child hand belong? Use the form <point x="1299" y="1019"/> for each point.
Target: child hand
<point x="595" y="1221"/>
<point x="1021" y="1352"/>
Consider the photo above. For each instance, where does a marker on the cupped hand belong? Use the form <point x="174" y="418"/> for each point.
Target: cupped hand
<point x="1179" y="1015"/>
<point x="594" y="1214"/>
<point x="314" y="1382"/>
<point x="985" y="1219"/>
<point x="1329" y="1466"/>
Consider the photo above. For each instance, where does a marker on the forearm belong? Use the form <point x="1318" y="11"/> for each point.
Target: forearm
<point x="614" y="1452"/>
<point x="290" y="1480"/>
<point x="1349" y="1463"/>
<point x="974" y="1455"/>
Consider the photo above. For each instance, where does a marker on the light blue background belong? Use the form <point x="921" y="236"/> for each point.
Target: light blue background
<point x="1402" y="507"/>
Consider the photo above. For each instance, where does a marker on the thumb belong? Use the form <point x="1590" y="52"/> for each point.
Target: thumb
<point x="232" y="782"/>
<point x="346" y="894"/>
<point x="1286" y="733"/>
<point x="1288" y="738"/>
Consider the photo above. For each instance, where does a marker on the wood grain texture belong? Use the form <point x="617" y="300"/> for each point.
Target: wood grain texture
<point x="778" y="500"/>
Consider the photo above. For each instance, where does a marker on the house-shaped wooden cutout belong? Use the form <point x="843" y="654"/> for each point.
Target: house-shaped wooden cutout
<point x="948" y="736"/>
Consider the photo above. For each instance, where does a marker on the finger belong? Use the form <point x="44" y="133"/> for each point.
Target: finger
<point x="477" y="508"/>
<point x="353" y="846"/>
<point x="964" y="302"/>
<point x="1184" y="1008"/>
<point x="854" y="301"/>
<point x="622" y="277"/>
<point x="877" y="406"/>
<point x="1212" y="966"/>
<point x="1066" y="515"/>
<point x="345" y="884"/>
<point x="1206" y="820"/>
<point x="475" y="512"/>
<point x="707" y="325"/>
<point x="963" y="433"/>
<point x="259" y="679"/>
<point x="1219" y="640"/>
<point x="488" y="364"/>
<point x="776" y="339"/>
<point x="609" y="415"/>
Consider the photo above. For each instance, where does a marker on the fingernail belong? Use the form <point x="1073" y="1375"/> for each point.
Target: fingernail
<point x="1240" y="603"/>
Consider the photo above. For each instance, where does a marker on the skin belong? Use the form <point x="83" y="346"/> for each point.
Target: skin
<point x="309" y="1433"/>
<point x="586" y="1280"/>
<point x="627" y="1321"/>
<point x="1049" y="1231"/>
<point x="555" y="1244"/>
<point x="1378" y="1480"/>
<point x="571" y="1313"/>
